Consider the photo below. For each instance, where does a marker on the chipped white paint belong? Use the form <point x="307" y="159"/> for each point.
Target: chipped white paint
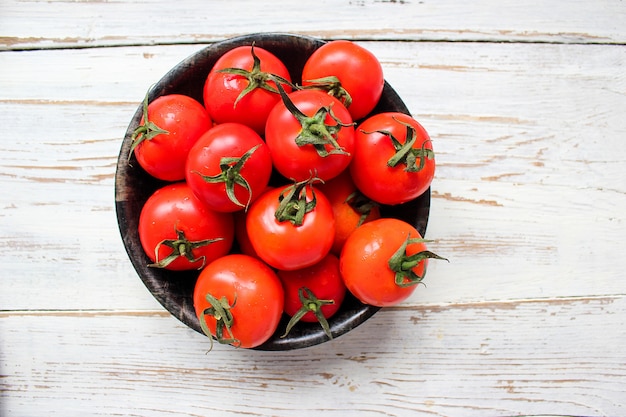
<point x="528" y="204"/>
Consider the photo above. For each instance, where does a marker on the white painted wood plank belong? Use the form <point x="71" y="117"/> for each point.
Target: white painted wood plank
<point x="528" y="199"/>
<point x="59" y="24"/>
<point x="485" y="359"/>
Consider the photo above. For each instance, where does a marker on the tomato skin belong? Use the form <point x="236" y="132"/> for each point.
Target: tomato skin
<point x="347" y="218"/>
<point x="222" y="89"/>
<point x="204" y="159"/>
<point x="358" y="70"/>
<point x="300" y="162"/>
<point x="174" y="207"/>
<point x="323" y="279"/>
<point x="369" y="168"/>
<point x="241" y="234"/>
<point x="164" y="156"/>
<point x="283" y="245"/>
<point x="253" y="288"/>
<point x="364" y="261"/>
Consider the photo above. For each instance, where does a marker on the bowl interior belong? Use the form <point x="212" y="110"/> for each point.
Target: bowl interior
<point x="133" y="186"/>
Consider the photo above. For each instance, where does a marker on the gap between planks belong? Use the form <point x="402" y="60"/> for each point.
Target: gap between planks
<point x="489" y="304"/>
<point x="5" y="45"/>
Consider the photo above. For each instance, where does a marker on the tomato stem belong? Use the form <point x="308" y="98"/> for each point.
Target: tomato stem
<point x="293" y="204"/>
<point x="230" y="175"/>
<point x="220" y="310"/>
<point x="181" y="246"/>
<point x="414" y="159"/>
<point x="310" y="303"/>
<point x="146" y="131"/>
<point x="332" y="86"/>
<point x="403" y="264"/>
<point x="361" y="204"/>
<point x="256" y="78"/>
<point x="315" y="131"/>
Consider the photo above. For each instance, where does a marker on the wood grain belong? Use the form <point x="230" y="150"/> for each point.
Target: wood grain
<point x="518" y="358"/>
<point x="80" y="24"/>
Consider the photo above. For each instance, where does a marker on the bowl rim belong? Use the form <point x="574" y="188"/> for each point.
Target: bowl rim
<point x="352" y="313"/>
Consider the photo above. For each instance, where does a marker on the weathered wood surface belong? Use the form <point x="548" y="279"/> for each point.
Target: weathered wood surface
<point x="87" y="23"/>
<point x="528" y="204"/>
<point x="499" y="359"/>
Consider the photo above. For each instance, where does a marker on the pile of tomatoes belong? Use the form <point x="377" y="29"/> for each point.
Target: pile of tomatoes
<point x="274" y="191"/>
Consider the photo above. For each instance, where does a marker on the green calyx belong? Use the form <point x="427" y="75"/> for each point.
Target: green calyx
<point x="256" y="78"/>
<point x="402" y="264"/>
<point x="230" y="175"/>
<point x="310" y="303"/>
<point x="361" y="205"/>
<point x="220" y="310"/>
<point x="293" y="204"/>
<point x="315" y="131"/>
<point x="147" y="131"/>
<point x="181" y="246"/>
<point x="332" y="86"/>
<point x="414" y="159"/>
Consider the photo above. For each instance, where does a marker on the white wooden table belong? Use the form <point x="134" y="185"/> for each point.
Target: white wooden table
<point x="526" y="104"/>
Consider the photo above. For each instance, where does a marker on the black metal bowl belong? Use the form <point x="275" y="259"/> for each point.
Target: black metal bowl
<point x="133" y="186"/>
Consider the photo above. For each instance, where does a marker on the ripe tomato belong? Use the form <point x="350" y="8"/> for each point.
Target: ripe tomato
<point x="350" y="208"/>
<point x="291" y="227"/>
<point x="178" y="232"/>
<point x="314" y="293"/>
<point x="170" y="126"/>
<point x="393" y="158"/>
<point x="229" y="167"/>
<point x="383" y="261"/>
<point x="239" y="87"/>
<point x="238" y="300"/>
<point x="241" y="234"/>
<point x="310" y="133"/>
<point x="358" y="70"/>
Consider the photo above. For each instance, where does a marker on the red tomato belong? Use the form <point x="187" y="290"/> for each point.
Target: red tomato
<point x="314" y="293"/>
<point x="170" y="126"/>
<point x="229" y="167"/>
<point x="310" y="133"/>
<point x="380" y="265"/>
<point x="350" y="208"/>
<point x="393" y="158"/>
<point x="291" y="227"/>
<point x="239" y="89"/>
<point x="178" y="232"/>
<point x="241" y="234"/>
<point x="357" y="69"/>
<point x="238" y="300"/>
